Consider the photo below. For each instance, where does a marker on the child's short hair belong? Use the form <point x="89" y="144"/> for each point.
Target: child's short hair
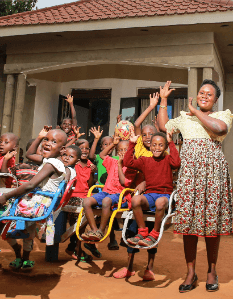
<point x="77" y="149"/>
<point x="12" y="136"/>
<point x="151" y="127"/>
<point x="211" y="82"/>
<point x="127" y="141"/>
<point x="162" y="135"/>
<point x="81" y="141"/>
<point x="66" y="118"/>
<point x="102" y="139"/>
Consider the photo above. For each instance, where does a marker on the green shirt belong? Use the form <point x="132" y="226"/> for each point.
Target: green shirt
<point x="102" y="172"/>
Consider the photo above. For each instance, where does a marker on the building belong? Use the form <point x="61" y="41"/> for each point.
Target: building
<point x="110" y="55"/>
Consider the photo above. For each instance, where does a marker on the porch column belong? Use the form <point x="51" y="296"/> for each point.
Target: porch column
<point x="7" y="110"/>
<point x="19" y="104"/>
<point x="192" y="85"/>
<point x="207" y="73"/>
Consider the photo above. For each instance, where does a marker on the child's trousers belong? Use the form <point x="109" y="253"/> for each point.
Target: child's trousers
<point x="28" y="242"/>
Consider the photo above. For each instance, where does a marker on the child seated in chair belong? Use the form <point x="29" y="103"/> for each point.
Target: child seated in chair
<point x="49" y="176"/>
<point x="8" y="146"/>
<point x="157" y="171"/>
<point x="118" y="178"/>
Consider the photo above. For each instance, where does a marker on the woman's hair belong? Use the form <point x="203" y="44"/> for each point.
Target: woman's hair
<point x="76" y="149"/>
<point x="211" y="82"/>
<point x="162" y="135"/>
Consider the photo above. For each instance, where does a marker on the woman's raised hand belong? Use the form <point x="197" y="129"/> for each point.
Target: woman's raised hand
<point x="166" y="91"/>
<point x="96" y="133"/>
<point x="132" y="137"/>
<point x="76" y="132"/>
<point x="69" y="98"/>
<point x="154" y="99"/>
<point x="169" y="135"/>
<point x="191" y="108"/>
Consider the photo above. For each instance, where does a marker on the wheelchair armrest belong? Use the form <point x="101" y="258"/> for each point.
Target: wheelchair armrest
<point x="92" y="188"/>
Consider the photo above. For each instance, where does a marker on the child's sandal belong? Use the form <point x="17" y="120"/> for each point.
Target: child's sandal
<point x="148" y="241"/>
<point x="96" y="236"/>
<point x="85" y="258"/>
<point x="28" y="265"/>
<point x="134" y="240"/>
<point x="16" y="264"/>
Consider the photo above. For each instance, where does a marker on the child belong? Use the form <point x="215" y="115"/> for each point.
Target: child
<point x="118" y="178"/>
<point x="142" y="147"/>
<point x="8" y="144"/>
<point x="50" y="174"/>
<point x="102" y="172"/>
<point x="85" y="176"/>
<point x="67" y="122"/>
<point x="157" y="171"/>
<point x="71" y="156"/>
<point x="24" y="172"/>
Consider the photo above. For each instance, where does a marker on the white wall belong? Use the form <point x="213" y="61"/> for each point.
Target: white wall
<point x="46" y="105"/>
<point x="121" y="88"/>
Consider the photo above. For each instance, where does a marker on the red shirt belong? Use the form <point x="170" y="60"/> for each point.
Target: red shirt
<point x="10" y="163"/>
<point x="83" y="175"/>
<point x="157" y="171"/>
<point x="112" y="184"/>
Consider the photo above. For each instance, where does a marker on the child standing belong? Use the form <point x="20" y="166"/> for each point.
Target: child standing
<point x="118" y="178"/>
<point x="50" y="174"/>
<point x="102" y="172"/>
<point x="85" y="176"/>
<point x="157" y="171"/>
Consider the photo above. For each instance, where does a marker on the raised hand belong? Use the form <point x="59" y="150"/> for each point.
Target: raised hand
<point x="119" y="118"/>
<point x="9" y="155"/>
<point x="132" y="137"/>
<point x="166" y="91"/>
<point x="76" y="132"/>
<point x="96" y="133"/>
<point x="169" y="135"/>
<point x="191" y="108"/>
<point x="69" y="98"/>
<point x="44" y="131"/>
<point x="116" y="139"/>
<point x="154" y="99"/>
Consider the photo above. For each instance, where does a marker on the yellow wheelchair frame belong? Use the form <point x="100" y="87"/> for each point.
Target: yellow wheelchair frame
<point x="118" y="210"/>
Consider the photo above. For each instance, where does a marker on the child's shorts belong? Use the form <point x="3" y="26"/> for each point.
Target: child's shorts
<point x="100" y="196"/>
<point x="152" y="197"/>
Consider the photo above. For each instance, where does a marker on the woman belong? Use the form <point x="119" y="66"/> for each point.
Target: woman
<point x="204" y="198"/>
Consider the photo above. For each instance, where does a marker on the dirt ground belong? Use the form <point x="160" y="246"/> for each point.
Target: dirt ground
<point x="67" y="279"/>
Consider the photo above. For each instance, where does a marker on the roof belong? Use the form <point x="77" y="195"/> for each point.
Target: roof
<point x="92" y="10"/>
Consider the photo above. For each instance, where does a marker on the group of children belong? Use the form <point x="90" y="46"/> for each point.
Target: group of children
<point x="142" y="163"/>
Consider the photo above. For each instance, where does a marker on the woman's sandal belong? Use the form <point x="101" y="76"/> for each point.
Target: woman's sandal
<point x="16" y="264"/>
<point x="148" y="275"/>
<point x="93" y="250"/>
<point x="123" y="273"/>
<point x="28" y="265"/>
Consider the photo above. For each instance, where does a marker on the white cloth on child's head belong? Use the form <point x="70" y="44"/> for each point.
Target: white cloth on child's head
<point x="72" y="173"/>
<point x="50" y="184"/>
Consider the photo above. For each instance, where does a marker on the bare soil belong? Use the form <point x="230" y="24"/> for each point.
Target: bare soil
<point x="94" y="280"/>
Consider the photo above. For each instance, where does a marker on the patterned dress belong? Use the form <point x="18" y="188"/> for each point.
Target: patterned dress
<point x="204" y="197"/>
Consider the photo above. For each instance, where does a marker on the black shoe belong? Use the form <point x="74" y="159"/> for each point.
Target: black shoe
<point x="212" y="287"/>
<point x="188" y="287"/>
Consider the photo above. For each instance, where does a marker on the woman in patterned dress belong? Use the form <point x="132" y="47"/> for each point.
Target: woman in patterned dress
<point x="204" y="197"/>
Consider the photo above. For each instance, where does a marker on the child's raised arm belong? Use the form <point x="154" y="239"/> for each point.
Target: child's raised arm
<point x="76" y="137"/>
<point x="45" y="172"/>
<point x="153" y="103"/>
<point x="162" y="115"/>
<point x="105" y="151"/>
<point x="7" y="157"/>
<point x="31" y="152"/>
<point x="70" y="100"/>
<point x="97" y="134"/>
